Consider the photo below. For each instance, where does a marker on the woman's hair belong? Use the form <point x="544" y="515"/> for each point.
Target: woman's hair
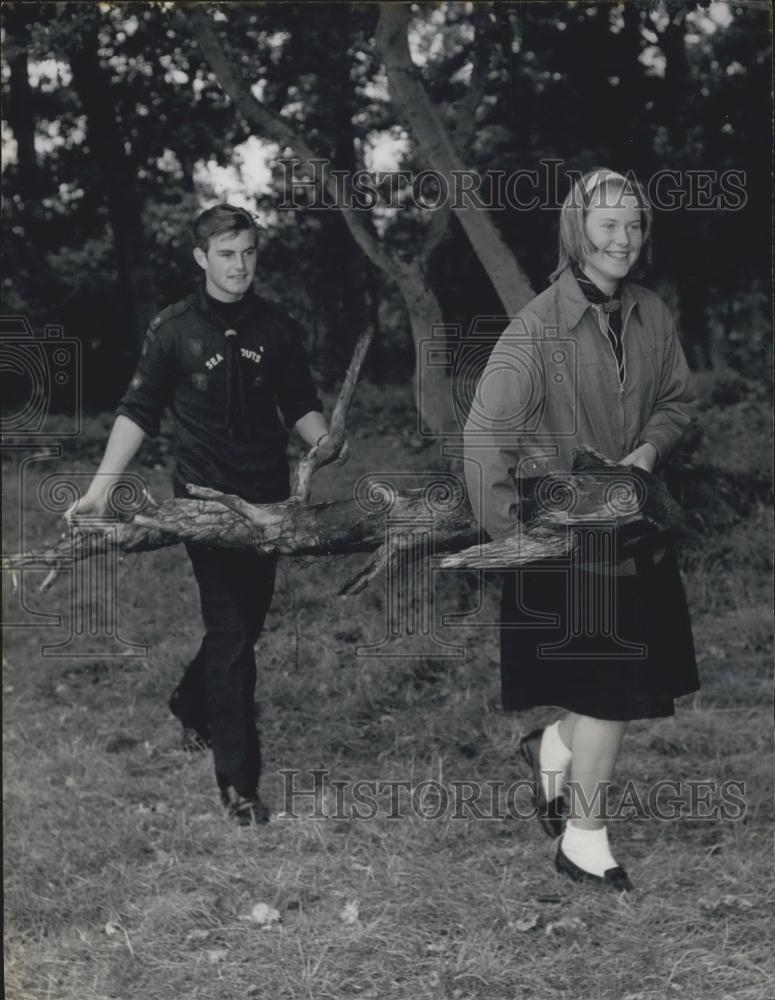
<point x="574" y="242"/>
<point x="221" y="220"/>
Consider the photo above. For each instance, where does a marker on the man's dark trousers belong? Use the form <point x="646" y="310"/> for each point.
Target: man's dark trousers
<point x="218" y="688"/>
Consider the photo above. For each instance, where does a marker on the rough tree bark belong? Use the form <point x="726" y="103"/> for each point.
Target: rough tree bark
<point x="597" y="496"/>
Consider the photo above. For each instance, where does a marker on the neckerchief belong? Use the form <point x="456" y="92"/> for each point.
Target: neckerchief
<point x="229" y="313"/>
<point x="611" y="307"/>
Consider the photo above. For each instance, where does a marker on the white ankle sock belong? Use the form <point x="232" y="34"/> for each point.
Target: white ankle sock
<point x="554" y="758"/>
<point x="588" y="848"/>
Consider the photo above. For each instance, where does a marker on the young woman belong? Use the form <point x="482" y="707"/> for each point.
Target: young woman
<point x="595" y="360"/>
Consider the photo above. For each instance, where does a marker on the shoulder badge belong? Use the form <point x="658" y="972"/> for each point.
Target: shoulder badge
<point x="176" y="309"/>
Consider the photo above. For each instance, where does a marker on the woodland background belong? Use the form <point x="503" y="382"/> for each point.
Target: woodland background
<point x="112" y="114"/>
<point x="122" y="878"/>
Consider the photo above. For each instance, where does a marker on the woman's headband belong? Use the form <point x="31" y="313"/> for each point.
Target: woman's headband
<point x="596" y="180"/>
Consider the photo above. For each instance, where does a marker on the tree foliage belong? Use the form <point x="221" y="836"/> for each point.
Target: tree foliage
<point x="112" y="110"/>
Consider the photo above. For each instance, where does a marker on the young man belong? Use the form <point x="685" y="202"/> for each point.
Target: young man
<point x="224" y="360"/>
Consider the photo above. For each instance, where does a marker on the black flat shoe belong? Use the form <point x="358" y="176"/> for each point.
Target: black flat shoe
<point x="551" y="815"/>
<point x="613" y="878"/>
<point x="247" y="810"/>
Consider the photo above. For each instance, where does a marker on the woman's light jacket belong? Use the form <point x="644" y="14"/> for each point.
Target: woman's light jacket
<point x="552" y="383"/>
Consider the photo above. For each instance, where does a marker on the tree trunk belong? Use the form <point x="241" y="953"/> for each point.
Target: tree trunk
<point x="136" y="285"/>
<point x="432" y="385"/>
<point x="407" y="90"/>
<point x="18" y="106"/>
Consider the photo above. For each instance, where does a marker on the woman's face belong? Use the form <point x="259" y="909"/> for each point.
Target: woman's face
<point x="613" y="225"/>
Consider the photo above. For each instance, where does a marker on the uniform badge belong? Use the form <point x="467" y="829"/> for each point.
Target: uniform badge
<point x="253" y="355"/>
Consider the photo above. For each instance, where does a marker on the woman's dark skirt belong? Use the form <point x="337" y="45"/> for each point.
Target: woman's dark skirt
<point x="611" y="647"/>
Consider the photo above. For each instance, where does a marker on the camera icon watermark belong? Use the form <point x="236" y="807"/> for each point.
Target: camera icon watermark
<point x="505" y="377"/>
<point x="83" y="616"/>
<point x="40" y="375"/>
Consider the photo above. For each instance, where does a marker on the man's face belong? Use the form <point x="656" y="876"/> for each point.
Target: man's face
<point x="229" y="265"/>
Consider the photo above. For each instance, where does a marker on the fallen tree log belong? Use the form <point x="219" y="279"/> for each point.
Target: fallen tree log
<point x="595" y="496"/>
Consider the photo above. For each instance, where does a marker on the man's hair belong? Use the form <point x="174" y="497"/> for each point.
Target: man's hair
<point x="222" y="220"/>
<point x="574" y="242"/>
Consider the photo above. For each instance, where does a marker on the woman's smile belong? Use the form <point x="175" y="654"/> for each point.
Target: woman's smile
<point x="616" y="234"/>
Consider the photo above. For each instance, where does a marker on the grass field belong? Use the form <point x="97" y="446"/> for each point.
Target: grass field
<point x="124" y="880"/>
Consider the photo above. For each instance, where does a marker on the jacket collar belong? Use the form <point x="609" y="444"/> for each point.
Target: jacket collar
<point x="203" y="304"/>
<point x="575" y="303"/>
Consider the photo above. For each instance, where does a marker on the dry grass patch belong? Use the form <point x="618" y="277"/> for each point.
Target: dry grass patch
<point x="124" y="880"/>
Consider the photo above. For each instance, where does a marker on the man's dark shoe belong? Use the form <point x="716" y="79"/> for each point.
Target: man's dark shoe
<point x="247" y="810"/>
<point x="613" y="878"/>
<point x="550" y="815"/>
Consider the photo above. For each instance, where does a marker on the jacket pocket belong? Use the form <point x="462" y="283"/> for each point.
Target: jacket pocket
<point x="643" y="345"/>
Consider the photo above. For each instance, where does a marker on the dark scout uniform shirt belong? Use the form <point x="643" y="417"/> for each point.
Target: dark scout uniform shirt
<point x="183" y="364"/>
